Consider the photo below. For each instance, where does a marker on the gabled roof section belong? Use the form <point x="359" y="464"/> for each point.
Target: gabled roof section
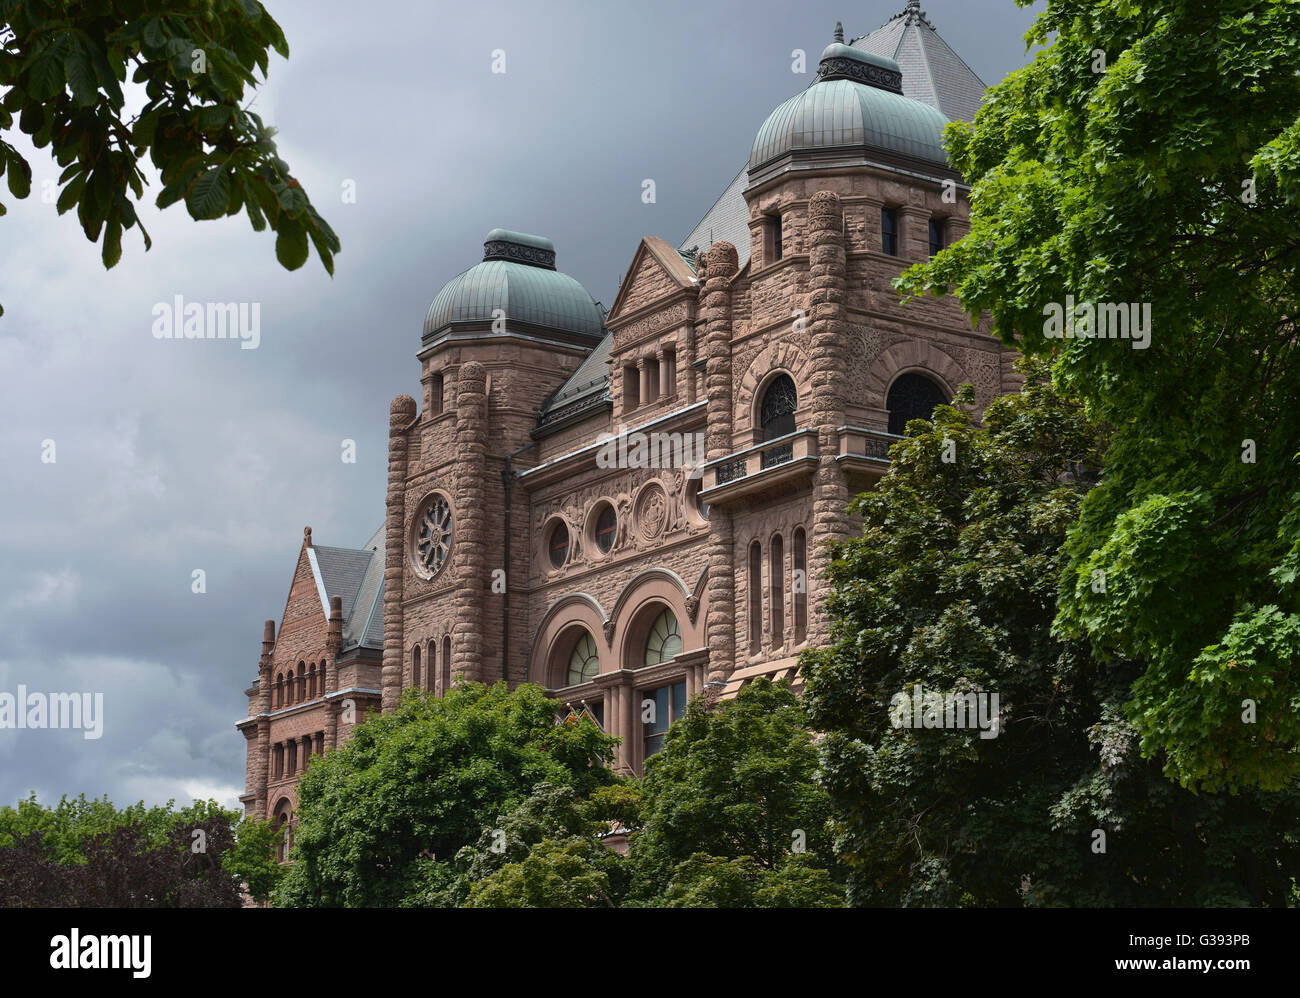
<point x="653" y="257"/>
<point x="356" y="576"/>
<point x="932" y="71"/>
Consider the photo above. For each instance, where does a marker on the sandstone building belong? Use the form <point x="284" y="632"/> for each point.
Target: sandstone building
<point x="625" y="507"/>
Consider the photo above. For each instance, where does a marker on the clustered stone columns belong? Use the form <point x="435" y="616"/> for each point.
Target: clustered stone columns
<point x="333" y="642"/>
<point x="720" y="267"/>
<point x="471" y="524"/>
<point x="643" y="369"/>
<point x="401" y="417"/>
<point x="827" y="268"/>
<point x="261" y="760"/>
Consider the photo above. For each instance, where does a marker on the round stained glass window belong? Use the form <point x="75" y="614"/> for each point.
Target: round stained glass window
<point x="432" y="544"/>
<point x="665" y="640"/>
<point x="584" y="663"/>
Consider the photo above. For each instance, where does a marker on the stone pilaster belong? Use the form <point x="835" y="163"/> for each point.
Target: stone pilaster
<point x="720" y="626"/>
<point x="401" y="417"/>
<point x="827" y="269"/>
<point x="260" y="771"/>
<point x="469" y="540"/>
<point x="333" y="642"/>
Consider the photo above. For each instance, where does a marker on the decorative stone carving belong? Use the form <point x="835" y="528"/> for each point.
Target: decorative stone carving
<point x="651" y="511"/>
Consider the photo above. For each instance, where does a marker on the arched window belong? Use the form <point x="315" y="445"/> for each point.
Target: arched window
<point x="665" y="639"/>
<point x="446" y="662"/>
<point x="431" y="666"/>
<point x="279" y="689"/>
<point x="912" y="396"/>
<point x="755" y="598"/>
<point x="584" y="662"/>
<point x="776" y="414"/>
<point x="415" y="666"/>
<point x="300" y="684"/>
<point x="606" y="528"/>
<point x="776" y="568"/>
<point x="799" y="556"/>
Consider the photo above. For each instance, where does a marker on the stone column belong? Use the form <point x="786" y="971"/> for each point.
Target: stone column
<point x="401" y="417"/>
<point x="664" y="376"/>
<point x="826" y="406"/>
<point x="720" y="624"/>
<point x="643" y="370"/>
<point x="263" y="743"/>
<point x="333" y="642"/>
<point x="469" y="523"/>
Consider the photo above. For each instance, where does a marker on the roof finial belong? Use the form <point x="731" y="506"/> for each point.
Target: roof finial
<point x="839" y="32"/>
<point x="913" y="5"/>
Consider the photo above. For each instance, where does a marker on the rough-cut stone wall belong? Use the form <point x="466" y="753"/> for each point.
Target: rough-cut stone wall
<point x="720" y="269"/>
<point x="470" y="542"/>
<point x="401" y="418"/>
<point x="830" y="492"/>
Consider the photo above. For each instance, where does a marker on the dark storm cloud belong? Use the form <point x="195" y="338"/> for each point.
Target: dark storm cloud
<point x="181" y="455"/>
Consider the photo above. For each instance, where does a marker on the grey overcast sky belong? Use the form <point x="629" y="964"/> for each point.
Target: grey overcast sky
<point x="181" y="455"/>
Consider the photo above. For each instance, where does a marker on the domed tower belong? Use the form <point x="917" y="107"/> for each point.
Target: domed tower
<point x="498" y="339"/>
<point x="818" y="365"/>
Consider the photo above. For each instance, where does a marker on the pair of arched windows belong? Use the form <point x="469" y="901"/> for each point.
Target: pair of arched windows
<point x="911" y="396"/>
<point x="663" y="643"/>
<point x="776" y="589"/>
<point x="423" y="674"/>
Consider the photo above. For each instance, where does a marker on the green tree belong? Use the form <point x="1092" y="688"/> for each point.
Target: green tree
<point x="952" y="585"/>
<point x="381" y="820"/>
<point x="1151" y="154"/>
<point x="63" y="73"/>
<point x="736" y="781"/>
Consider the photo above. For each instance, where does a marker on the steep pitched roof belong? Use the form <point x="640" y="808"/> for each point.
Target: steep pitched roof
<point x="356" y="576"/>
<point x="932" y="73"/>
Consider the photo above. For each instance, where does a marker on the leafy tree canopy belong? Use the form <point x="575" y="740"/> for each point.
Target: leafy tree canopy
<point x="63" y="70"/>
<point x="1151" y="154"/>
<point x="381" y="820"/>
<point x="952" y="588"/>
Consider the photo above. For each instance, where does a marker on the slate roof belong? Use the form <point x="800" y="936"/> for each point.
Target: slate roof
<point x="356" y="575"/>
<point x="932" y="73"/>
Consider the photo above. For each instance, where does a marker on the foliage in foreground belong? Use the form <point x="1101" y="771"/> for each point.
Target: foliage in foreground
<point x="952" y="586"/>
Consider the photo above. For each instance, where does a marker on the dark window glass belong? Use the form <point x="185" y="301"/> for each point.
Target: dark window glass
<point x="776" y="237"/>
<point x="669" y="705"/>
<point x="936" y="236"/>
<point x="415" y="667"/>
<point x="800" y="584"/>
<point x="912" y="396"/>
<point x="777" y="570"/>
<point x="776" y="415"/>
<point x="755" y="597"/>
<point x="606" y="527"/>
<point x="559" y="546"/>
<point x="889" y="231"/>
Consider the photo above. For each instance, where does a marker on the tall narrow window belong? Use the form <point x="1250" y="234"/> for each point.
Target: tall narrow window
<point x="773" y="249"/>
<point x="435" y="394"/>
<point x="279" y="690"/>
<point x="292" y="762"/>
<point x="755" y="598"/>
<point x="311" y="682"/>
<point x="431" y="665"/>
<point x="799" y="572"/>
<point x="631" y="386"/>
<point x="446" y="663"/>
<point x="936" y="236"/>
<point x="669" y="704"/>
<point x="776" y="414"/>
<point x="889" y="231"/>
<point x="415" y="666"/>
<point x="777" y="569"/>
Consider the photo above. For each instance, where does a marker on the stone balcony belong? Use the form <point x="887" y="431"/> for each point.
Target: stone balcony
<point x="787" y="463"/>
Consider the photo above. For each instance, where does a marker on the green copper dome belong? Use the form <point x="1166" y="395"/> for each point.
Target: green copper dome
<point x="517" y="276"/>
<point x="855" y="104"/>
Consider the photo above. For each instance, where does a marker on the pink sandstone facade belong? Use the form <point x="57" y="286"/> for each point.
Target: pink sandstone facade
<point x="749" y="392"/>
